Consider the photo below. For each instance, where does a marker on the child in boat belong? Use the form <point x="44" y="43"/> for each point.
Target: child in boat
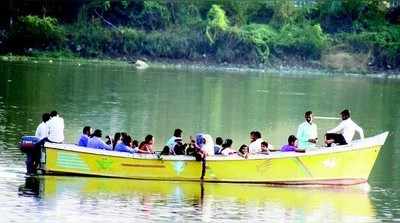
<point x="135" y="145"/>
<point x="147" y="145"/>
<point x="264" y="147"/>
<point x="218" y="145"/>
<point x="226" y="148"/>
<point x="243" y="151"/>
<point x="291" y="146"/>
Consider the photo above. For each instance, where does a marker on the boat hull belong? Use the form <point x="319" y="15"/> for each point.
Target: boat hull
<point x="346" y="165"/>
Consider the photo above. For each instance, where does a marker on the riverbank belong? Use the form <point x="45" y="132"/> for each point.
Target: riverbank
<point x="281" y="68"/>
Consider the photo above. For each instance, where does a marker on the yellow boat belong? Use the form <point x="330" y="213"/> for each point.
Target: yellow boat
<point x="340" y="165"/>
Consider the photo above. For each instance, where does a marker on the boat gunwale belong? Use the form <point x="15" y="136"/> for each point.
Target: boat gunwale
<point x="355" y="145"/>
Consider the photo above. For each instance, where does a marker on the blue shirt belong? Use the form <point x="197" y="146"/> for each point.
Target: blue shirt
<point x="97" y="143"/>
<point x="83" y="140"/>
<point x="120" y="147"/>
<point x="288" y="148"/>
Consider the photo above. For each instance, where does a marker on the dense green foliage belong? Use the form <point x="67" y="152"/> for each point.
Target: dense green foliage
<point x="246" y="32"/>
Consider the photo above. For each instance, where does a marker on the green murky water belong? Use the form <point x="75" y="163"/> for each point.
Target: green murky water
<point x="155" y="101"/>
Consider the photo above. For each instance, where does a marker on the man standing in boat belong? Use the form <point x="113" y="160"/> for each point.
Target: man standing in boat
<point x="344" y="132"/>
<point x="307" y="134"/>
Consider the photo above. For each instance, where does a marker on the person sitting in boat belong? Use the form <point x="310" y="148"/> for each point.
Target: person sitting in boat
<point x="203" y="146"/>
<point x="116" y="139"/>
<point x="96" y="142"/>
<point x="209" y="145"/>
<point x="226" y="148"/>
<point x="56" y="128"/>
<point x="255" y="142"/>
<point x="264" y="147"/>
<point x="84" y="138"/>
<point x="126" y="145"/>
<point x="147" y="145"/>
<point x="135" y="145"/>
<point x="292" y="145"/>
<point x="307" y="132"/>
<point x="243" y="151"/>
<point x="175" y="144"/>
<point x="218" y="146"/>
<point x="344" y="132"/>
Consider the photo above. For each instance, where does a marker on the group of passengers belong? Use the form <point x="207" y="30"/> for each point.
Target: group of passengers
<point x="202" y="145"/>
<point x="122" y="142"/>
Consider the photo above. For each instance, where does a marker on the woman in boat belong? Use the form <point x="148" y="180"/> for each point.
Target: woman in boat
<point x="255" y="142"/>
<point x="84" y="138"/>
<point x="226" y="148"/>
<point x="96" y="142"/>
<point x="116" y="139"/>
<point x="125" y="146"/>
<point x="292" y="145"/>
<point x="147" y="145"/>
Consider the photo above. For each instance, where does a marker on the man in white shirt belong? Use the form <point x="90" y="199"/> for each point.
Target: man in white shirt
<point x="33" y="155"/>
<point x="175" y="140"/>
<point x="255" y="142"/>
<point x="42" y="130"/>
<point x="56" y="128"/>
<point x="346" y="130"/>
<point x="307" y="132"/>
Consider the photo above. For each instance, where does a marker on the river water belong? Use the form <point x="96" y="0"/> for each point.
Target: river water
<point x="227" y="104"/>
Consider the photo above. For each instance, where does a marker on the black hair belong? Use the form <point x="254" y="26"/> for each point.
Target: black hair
<point x="86" y="129"/>
<point x="53" y="113"/>
<point x="219" y="141"/>
<point x="45" y="117"/>
<point x="291" y="139"/>
<point x="127" y="140"/>
<point x="308" y="113"/>
<point x="256" y="134"/>
<point x="227" y="143"/>
<point x="345" y="112"/>
<point x="242" y="148"/>
<point x="148" y="138"/>
<point x="135" y="143"/>
<point x="178" y="132"/>
<point x="97" y="133"/>
<point x="264" y="143"/>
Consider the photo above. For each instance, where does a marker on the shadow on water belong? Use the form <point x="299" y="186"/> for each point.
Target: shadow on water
<point x="33" y="186"/>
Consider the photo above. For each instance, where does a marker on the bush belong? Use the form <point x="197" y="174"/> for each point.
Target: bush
<point x="217" y="22"/>
<point x="175" y="44"/>
<point x="155" y="15"/>
<point x="261" y="36"/>
<point x="91" y="40"/>
<point x="306" y="41"/>
<point x="383" y="42"/>
<point x="35" y="32"/>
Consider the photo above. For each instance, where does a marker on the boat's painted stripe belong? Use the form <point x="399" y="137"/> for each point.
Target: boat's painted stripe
<point x="71" y="160"/>
<point x="302" y="167"/>
<point x="142" y="165"/>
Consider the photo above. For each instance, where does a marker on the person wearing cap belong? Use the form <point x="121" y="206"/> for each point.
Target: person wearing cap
<point x="343" y="134"/>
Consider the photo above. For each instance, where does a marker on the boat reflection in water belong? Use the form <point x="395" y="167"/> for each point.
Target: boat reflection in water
<point x="164" y="200"/>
